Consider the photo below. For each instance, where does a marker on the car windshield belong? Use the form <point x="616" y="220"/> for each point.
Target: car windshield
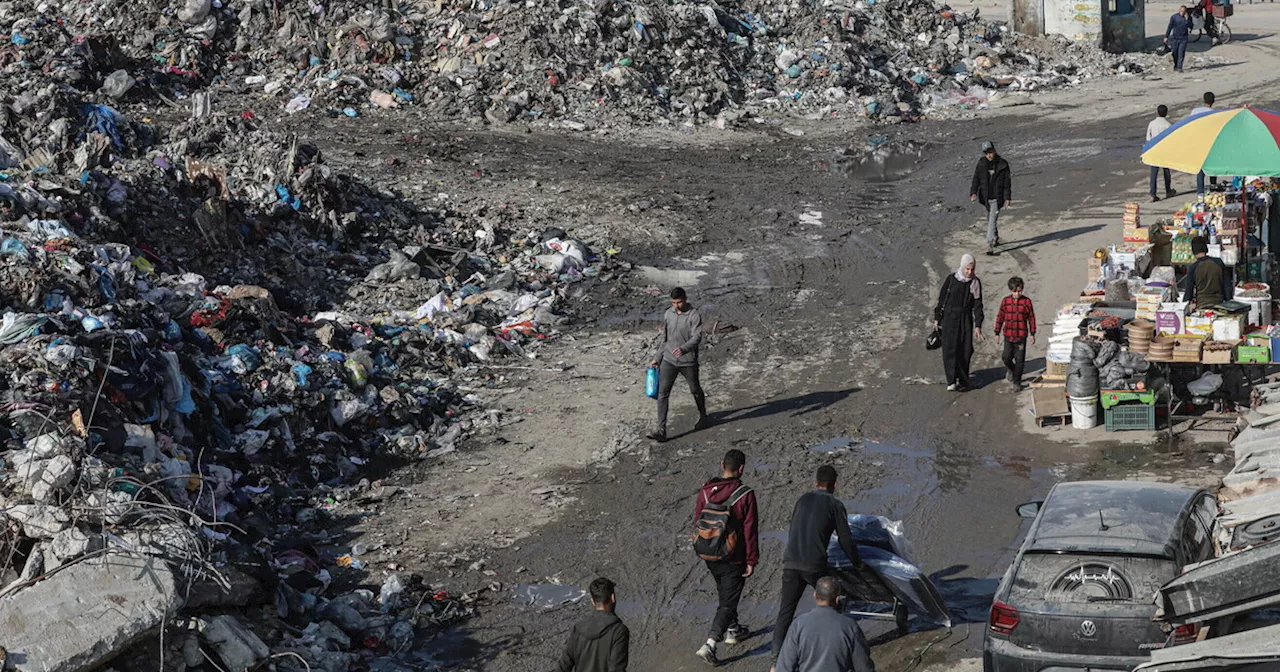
<point x="1078" y="577"/>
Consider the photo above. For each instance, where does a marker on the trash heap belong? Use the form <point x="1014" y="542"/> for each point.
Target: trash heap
<point x="581" y="62"/>
<point x="207" y="331"/>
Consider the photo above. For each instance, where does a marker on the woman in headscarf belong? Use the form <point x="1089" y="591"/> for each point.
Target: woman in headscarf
<point x="959" y="316"/>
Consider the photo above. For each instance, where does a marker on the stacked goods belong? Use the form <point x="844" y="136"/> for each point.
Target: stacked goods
<point x="1150" y="299"/>
<point x="1219" y="352"/>
<point x="1181" y="253"/>
<point x="1129" y="256"/>
<point x="1066" y="327"/>
<point x="1171" y="318"/>
<point x="1161" y="350"/>
<point x="1096" y="262"/>
<point x="1140" y="334"/>
<point x="1229" y="327"/>
<point x="1133" y="231"/>
<point x="1216" y="199"/>
<point x="1258" y="297"/>
<point x="1186" y="350"/>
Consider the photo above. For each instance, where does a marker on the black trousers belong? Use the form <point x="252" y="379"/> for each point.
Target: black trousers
<point x="729" y="584"/>
<point x="667" y="379"/>
<point x="794" y="582"/>
<point x="1015" y="358"/>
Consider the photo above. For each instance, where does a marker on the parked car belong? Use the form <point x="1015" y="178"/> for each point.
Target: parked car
<point x="1079" y="594"/>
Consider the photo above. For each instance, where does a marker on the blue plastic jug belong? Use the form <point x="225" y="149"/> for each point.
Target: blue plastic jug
<point x="651" y="383"/>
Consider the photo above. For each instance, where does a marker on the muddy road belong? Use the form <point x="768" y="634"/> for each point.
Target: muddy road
<point x="820" y="264"/>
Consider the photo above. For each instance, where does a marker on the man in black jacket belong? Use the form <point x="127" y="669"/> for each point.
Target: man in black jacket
<point x="817" y="514"/>
<point x="599" y="642"/>
<point x="992" y="186"/>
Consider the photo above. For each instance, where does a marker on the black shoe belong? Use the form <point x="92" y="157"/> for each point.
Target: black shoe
<point x="702" y="423"/>
<point x="1170" y="193"/>
<point x="1155" y="199"/>
<point x="660" y="437"/>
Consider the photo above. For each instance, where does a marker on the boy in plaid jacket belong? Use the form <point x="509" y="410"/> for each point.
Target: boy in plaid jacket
<point x="1016" y="321"/>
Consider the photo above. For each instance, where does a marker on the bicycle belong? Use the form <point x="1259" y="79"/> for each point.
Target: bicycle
<point x="1219" y="24"/>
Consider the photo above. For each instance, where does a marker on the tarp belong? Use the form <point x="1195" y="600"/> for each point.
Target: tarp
<point x="882" y="547"/>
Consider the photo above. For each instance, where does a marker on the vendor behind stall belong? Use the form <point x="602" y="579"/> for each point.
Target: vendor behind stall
<point x="1208" y="283"/>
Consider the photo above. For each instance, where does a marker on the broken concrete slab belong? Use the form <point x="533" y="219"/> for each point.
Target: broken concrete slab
<point x="237" y="646"/>
<point x="83" y="615"/>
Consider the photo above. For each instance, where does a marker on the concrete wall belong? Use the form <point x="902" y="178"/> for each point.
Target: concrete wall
<point x="1116" y="25"/>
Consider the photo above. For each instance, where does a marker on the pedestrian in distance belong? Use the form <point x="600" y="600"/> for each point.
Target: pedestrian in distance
<point x="825" y="640"/>
<point x="992" y="186"/>
<point x="727" y="538"/>
<point x="1016" y="322"/>
<point x="1157" y="126"/>
<point x="600" y="642"/>
<point x="1205" y="108"/>
<point x="1176" y="36"/>
<point x="959" y="316"/>
<point x="817" y="514"/>
<point x="678" y="355"/>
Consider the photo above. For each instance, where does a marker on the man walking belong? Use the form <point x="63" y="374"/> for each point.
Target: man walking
<point x="1157" y="126"/>
<point x="599" y="642"/>
<point x="816" y="515"/>
<point x="726" y="506"/>
<point x="1176" y="36"/>
<point x="1196" y="111"/>
<point x="678" y="354"/>
<point x="825" y="640"/>
<point x="992" y="186"/>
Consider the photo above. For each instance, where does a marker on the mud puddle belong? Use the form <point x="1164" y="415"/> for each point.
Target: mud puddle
<point x="881" y="160"/>
<point x="545" y="595"/>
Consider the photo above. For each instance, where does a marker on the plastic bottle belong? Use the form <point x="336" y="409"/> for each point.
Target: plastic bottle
<point x="651" y="383"/>
<point x="357" y="375"/>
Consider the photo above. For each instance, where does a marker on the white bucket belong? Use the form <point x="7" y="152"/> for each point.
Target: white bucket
<point x="1259" y="309"/>
<point x="1084" y="412"/>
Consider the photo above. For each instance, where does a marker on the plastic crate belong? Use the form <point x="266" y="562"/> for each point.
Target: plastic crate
<point x="1112" y="398"/>
<point x="1130" y="417"/>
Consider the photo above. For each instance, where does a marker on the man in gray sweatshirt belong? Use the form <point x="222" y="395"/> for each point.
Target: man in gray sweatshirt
<point x="825" y="640"/>
<point x="678" y="354"/>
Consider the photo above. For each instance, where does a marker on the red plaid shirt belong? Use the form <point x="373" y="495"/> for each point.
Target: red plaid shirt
<point x="1016" y="319"/>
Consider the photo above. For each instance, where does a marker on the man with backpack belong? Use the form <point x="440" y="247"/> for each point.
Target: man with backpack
<point x="727" y="537"/>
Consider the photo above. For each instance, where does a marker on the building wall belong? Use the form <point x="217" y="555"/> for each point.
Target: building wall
<point x="1079" y="20"/>
<point x="1125" y="30"/>
<point x="1116" y="25"/>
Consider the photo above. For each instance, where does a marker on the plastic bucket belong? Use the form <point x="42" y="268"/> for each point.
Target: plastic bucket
<point x="1084" y="412"/>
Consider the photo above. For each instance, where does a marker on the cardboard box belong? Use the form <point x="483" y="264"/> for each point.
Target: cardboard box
<point x="1169" y="322"/>
<point x="1225" y="356"/>
<point x="1049" y="401"/>
<point x="1253" y="354"/>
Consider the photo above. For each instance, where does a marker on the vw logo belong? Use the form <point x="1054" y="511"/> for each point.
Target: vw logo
<point x="1088" y="629"/>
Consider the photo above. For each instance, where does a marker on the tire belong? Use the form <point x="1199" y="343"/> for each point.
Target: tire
<point x="1224" y="32"/>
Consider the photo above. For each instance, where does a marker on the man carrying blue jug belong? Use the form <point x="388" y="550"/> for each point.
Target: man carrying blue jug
<point x="678" y="354"/>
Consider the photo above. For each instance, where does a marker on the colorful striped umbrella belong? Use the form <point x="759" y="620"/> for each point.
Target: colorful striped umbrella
<point x="1242" y="141"/>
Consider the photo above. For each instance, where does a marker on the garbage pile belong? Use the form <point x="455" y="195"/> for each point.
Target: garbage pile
<point x="207" y="330"/>
<point x="581" y="62"/>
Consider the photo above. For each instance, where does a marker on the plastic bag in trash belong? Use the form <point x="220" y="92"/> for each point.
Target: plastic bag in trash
<point x="1205" y="385"/>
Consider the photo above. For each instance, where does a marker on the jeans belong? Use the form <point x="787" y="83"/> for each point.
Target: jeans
<point x="729" y="584"/>
<point x="667" y="379"/>
<point x="1200" y="182"/>
<point x="1015" y="358"/>
<point x="1178" y="48"/>
<point x="1168" y="180"/>
<point x="794" y="582"/>
<point x="993" y="216"/>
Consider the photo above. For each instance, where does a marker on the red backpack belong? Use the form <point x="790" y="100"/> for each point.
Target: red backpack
<point x="714" y="538"/>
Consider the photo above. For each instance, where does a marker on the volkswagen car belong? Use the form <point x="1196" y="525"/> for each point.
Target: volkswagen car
<point x="1079" y="594"/>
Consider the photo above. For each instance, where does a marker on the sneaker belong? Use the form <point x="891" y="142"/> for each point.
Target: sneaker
<point x="953" y="387"/>
<point x="660" y="437"/>
<point x="702" y="423"/>
<point x="735" y="634"/>
<point x="708" y="654"/>
<point x="991" y="251"/>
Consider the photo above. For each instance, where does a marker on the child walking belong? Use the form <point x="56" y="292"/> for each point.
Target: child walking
<point x="1016" y="322"/>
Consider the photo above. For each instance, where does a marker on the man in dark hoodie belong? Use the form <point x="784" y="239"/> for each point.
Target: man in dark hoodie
<point x="992" y="186"/>
<point x="731" y="573"/>
<point x="599" y="642"/>
<point x="817" y="514"/>
<point x="678" y="355"/>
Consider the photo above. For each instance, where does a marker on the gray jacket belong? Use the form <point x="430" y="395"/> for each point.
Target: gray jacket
<point x="680" y="330"/>
<point x="825" y="640"/>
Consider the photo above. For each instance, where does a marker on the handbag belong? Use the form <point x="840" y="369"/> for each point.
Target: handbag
<point x="934" y="341"/>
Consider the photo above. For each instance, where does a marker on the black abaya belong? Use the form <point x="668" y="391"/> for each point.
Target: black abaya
<point x="958" y="313"/>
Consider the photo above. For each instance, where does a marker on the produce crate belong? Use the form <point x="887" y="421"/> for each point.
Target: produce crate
<point x="1253" y="354"/>
<point x="1223" y="11"/>
<point x="1126" y="417"/>
<point x="1113" y="398"/>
